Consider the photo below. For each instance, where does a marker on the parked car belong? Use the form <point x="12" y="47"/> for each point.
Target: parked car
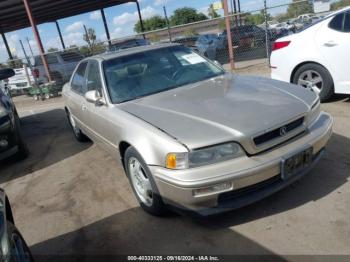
<point x="11" y="141"/>
<point x="19" y="83"/>
<point x="316" y="57"/>
<point x="246" y="36"/>
<point x="128" y="43"/>
<point x="190" y="134"/>
<point x="62" y="65"/>
<point x="189" y="41"/>
<point x="13" y="247"/>
<point x="208" y="45"/>
<point x="271" y="24"/>
<point x="304" y="18"/>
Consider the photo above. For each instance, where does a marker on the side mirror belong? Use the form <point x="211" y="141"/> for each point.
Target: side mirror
<point x="94" y="97"/>
<point x="6" y="73"/>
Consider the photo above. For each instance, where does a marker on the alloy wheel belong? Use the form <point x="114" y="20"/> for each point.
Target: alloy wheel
<point x="311" y="79"/>
<point x="140" y="182"/>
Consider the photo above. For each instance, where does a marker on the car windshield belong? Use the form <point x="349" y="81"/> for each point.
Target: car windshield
<point x="141" y="74"/>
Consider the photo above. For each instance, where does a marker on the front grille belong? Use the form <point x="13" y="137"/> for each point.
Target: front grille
<point x="239" y="194"/>
<point x="276" y="133"/>
<point x="235" y="194"/>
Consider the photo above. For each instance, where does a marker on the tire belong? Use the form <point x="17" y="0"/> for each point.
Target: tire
<point x="78" y="134"/>
<point x="22" y="147"/>
<point x="156" y="207"/>
<point x="324" y="90"/>
<point x="19" y="250"/>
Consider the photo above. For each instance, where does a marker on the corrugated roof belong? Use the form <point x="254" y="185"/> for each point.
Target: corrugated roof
<point x="13" y="15"/>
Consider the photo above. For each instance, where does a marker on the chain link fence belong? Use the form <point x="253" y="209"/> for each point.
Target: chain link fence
<point x="253" y="34"/>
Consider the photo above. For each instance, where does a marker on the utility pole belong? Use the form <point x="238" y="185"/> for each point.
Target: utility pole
<point x="267" y="42"/>
<point x="228" y="34"/>
<point x="30" y="48"/>
<point x="37" y="37"/>
<point x="30" y="66"/>
<point x="140" y="19"/>
<point x="167" y="22"/>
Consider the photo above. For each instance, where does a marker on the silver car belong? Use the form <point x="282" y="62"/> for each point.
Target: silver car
<point x="190" y="134"/>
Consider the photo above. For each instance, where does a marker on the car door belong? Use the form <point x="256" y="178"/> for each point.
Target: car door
<point x="76" y="101"/>
<point x="333" y="40"/>
<point x="100" y="127"/>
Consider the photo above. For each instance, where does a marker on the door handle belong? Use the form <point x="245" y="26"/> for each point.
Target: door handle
<point x="83" y="107"/>
<point x="330" y="44"/>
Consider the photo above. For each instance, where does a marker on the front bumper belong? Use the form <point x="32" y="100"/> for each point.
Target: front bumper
<point x="253" y="178"/>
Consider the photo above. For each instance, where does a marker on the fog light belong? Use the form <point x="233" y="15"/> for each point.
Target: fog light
<point x="205" y="191"/>
<point x="3" y="143"/>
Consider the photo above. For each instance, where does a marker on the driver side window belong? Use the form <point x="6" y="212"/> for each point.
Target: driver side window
<point x="94" y="78"/>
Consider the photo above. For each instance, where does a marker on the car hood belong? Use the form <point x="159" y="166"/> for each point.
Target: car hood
<point x="225" y="108"/>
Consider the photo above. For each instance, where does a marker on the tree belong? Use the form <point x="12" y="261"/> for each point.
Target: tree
<point x="340" y="4"/>
<point x="52" y="49"/>
<point x="186" y="15"/>
<point x="256" y="19"/>
<point x="91" y="39"/>
<point x="153" y="23"/>
<point x="300" y="8"/>
<point x="212" y="13"/>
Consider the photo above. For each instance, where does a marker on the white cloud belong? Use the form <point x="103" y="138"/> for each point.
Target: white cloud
<point x="140" y="1"/>
<point x="53" y="43"/>
<point x="75" y="38"/>
<point x="76" y="26"/>
<point x="132" y="18"/>
<point x="96" y="15"/>
<point x="204" y="10"/>
<point x="118" y="33"/>
<point x="124" y="23"/>
<point x="159" y="2"/>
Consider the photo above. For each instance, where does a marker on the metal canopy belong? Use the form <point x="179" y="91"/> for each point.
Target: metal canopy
<point x="13" y="15"/>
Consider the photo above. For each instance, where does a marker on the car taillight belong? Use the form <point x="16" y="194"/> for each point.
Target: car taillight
<point x="35" y="73"/>
<point x="279" y="45"/>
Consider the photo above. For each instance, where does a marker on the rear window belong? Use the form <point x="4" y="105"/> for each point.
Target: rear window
<point x="347" y="22"/>
<point x="337" y="22"/>
<point x="71" y="57"/>
<point x="51" y="59"/>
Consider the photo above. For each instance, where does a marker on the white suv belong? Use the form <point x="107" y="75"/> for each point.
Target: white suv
<point x="317" y="57"/>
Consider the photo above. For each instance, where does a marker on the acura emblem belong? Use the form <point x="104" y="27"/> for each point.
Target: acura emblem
<point x="283" y="131"/>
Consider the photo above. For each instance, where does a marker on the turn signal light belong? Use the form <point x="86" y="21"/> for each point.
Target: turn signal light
<point x="171" y="161"/>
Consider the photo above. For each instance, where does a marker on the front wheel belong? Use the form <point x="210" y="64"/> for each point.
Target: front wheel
<point x="19" y="250"/>
<point x="78" y="134"/>
<point x="317" y="78"/>
<point x="142" y="183"/>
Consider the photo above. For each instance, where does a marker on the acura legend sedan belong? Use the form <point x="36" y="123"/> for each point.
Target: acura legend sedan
<point x="191" y="135"/>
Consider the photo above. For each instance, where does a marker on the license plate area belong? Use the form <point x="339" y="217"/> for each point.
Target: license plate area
<point x="296" y="163"/>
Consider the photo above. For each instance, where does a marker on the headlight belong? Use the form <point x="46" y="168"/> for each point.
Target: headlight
<point x="204" y="156"/>
<point x="315" y="110"/>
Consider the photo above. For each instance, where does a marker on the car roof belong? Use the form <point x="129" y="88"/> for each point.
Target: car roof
<point x="132" y="50"/>
<point x="338" y="11"/>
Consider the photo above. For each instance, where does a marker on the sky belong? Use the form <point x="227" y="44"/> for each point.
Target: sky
<point x="120" y="20"/>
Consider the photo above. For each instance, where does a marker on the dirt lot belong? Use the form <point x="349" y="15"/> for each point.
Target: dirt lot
<point x="72" y="198"/>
